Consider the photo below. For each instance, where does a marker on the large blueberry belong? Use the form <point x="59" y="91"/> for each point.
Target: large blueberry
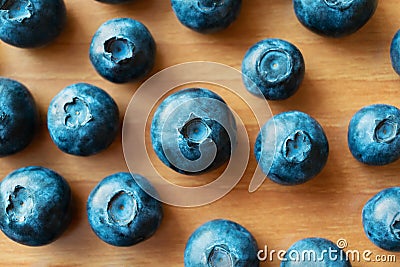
<point x="221" y="243"/>
<point x="315" y="252"/>
<point x="296" y="146"/>
<point x="18" y="117"/>
<point x="193" y="131"/>
<point x="273" y="68"/>
<point x="381" y="219"/>
<point x="373" y="134"/>
<point x="34" y="206"/>
<point x="395" y="52"/>
<point x="31" y="23"/>
<point x="122" y="50"/>
<point x="206" y="16"/>
<point x="82" y="119"/>
<point x="120" y="213"/>
<point x="334" y="18"/>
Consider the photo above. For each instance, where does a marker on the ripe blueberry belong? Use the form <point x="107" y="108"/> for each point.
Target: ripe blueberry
<point x="122" y="50"/>
<point x="18" y="117"/>
<point x="34" y="206"/>
<point x="206" y="16"/>
<point x="273" y="68"/>
<point x="120" y="213"/>
<point x="82" y="119"/>
<point x="31" y="23"/>
<point x="193" y="131"/>
<point x="221" y="243"/>
<point x="297" y="145"/>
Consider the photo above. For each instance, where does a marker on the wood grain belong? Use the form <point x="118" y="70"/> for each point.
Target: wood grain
<point x="342" y="76"/>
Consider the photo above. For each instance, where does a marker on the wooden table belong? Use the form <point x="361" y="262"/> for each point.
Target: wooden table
<point x="342" y="76"/>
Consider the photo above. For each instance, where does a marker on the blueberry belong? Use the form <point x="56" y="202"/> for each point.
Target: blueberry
<point x="206" y="16"/>
<point x="120" y="213"/>
<point x="273" y="68"/>
<point x="31" y="23"/>
<point x="395" y="52"/>
<point x="193" y="131"/>
<point x="122" y="50"/>
<point x="315" y="252"/>
<point x="221" y="243"/>
<point x="297" y="144"/>
<point x="83" y="119"/>
<point x="373" y="136"/>
<point x="18" y="117"/>
<point x="381" y="219"/>
<point x="334" y="18"/>
<point x="34" y="205"/>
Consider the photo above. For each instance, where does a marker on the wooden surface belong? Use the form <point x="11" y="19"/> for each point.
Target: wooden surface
<point x="341" y="77"/>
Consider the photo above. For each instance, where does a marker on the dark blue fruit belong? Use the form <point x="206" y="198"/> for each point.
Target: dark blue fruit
<point x="18" y="117"/>
<point x="273" y="68"/>
<point x="373" y="134"/>
<point x="221" y="243"/>
<point x="206" y="16"/>
<point x="381" y="219"/>
<point x="122" y="50"/>
<point x="334" y="18"/>
<point x="31" y="23"/>
<point x="395" y="52"/>
<point x="193" y="131"/>
<point x="34" y="206"/>
<point x="121" y="213"/>
<point x="297" y="144"/>
<point x="315" y="252"/>
<point x="82" y="119"/>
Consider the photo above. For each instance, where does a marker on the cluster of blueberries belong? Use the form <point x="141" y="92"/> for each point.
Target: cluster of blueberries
<point x="83" y="120"/>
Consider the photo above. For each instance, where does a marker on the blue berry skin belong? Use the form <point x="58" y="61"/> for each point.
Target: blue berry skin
<point x="34" y="206"/>
<point x="221" y="243"/>
<point x="315" y="252"/>
<point x="120" y="213"/>
<point x="31" y="23"/>
<point x="122" y="50"/>
<point x="373" y="134"/>
<point x="83" y="119"/>
<point x="299" y="148"/>
<point x="395" y="52"/>
<point x="189" y="117"/>
<point x="334" y="18"/>
<point x="273" y="68"/>
<point x="381" y="219"/>
<point x="206" y="16"/>
<point x="19" y="117"/>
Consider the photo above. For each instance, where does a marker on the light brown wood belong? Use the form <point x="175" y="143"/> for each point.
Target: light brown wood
<point x="342" y="75"/>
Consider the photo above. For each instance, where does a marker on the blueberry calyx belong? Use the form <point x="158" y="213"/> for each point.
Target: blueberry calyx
<point x="386" y="130"/>
<point x="207" y="6"/>
<point x="195" y="130"/>
<point x="78" y="113"/>
<point x="122" y="208"/>
<point x="339" y="4"/>
<point x="220" y="256"/>
<point x="297" y="147"/>
<point x="119" y="49"/>
<point x="275" y="65"/>
<point x="20" y="204"/>
<point x="395" y="226"/>
<point x="16" y="10"/>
